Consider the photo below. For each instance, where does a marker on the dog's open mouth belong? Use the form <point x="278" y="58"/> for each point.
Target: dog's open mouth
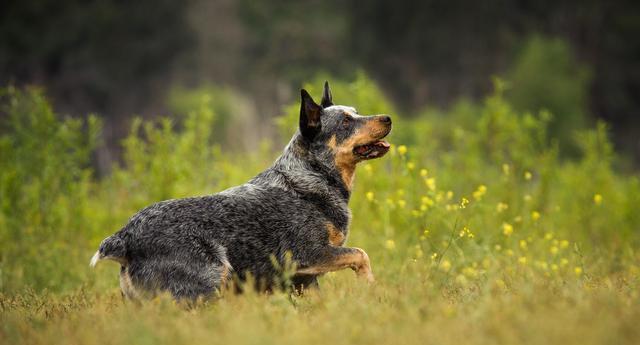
<point x="372" y="150"/>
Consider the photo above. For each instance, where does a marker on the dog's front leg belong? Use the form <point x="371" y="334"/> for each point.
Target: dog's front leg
<point x="336" y="258"/>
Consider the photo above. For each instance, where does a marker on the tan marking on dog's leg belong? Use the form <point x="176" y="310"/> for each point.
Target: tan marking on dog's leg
<point x="225" y="277"/>
<point x="126" y="285"/>
<point x="357" y="261"/>
<point x="336" y="237"/>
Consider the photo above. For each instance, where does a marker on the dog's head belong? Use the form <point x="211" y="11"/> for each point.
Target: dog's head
<point x="340" y="138"/>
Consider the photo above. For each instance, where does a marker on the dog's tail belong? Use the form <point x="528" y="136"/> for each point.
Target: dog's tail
<point x="111" y="248"/>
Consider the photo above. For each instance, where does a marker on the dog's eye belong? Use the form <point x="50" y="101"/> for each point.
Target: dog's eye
<point x="346" y="122"/>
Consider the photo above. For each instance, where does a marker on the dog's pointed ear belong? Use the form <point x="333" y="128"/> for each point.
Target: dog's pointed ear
<point x="310" y="114"/>
<point x="327" y="100"/>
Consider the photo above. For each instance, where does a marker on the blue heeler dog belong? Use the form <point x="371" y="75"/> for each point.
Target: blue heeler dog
<point x="295" y="209"/>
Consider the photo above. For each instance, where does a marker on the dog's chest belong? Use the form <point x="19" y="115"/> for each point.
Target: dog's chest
<point x="338" y="229"/>
<point x="335" y="235"/>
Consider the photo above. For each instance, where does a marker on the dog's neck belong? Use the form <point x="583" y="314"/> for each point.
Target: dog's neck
<point x="307" y="173"/>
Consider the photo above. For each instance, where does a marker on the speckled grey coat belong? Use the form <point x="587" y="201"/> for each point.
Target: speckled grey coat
<point x="191" y="246"/>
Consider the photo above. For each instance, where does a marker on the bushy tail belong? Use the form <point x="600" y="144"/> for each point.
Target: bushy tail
<point x="112" y="248"/>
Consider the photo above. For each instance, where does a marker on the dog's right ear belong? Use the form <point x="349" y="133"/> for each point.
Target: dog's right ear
<point x="310" y="114"/>
<point x="327" y="99"/>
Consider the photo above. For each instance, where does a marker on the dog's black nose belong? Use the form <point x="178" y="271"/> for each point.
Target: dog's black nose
<point x="385" y="119"/>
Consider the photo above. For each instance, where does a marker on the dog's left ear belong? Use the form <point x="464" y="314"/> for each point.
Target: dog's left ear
<point x="310" y="114"/>
<point x="327" y="101"/>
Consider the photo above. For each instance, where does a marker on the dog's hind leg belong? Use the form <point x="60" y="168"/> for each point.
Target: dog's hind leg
<point x="184" y="277"/>
<point x="332" y="258"/>
<point x="126" y="285"/>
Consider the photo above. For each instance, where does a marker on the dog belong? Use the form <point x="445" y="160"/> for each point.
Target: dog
<point x="295" y="210"/>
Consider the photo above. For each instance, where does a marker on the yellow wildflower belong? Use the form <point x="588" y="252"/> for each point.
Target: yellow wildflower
<point x="535" y="215"/>
<point x="527" y="175"/>
<point x="597" y="199"/>
<point x="507" y="229"/>
<point x="449" y="195"/>
<point x="564" y="262"/>
<point x="482" y="189"/>
<point x="390" y="244"/>
<point x="423" y="172"/>
<point x="523" y="244"/>
<point x="370" y="196"/>
<point x="506" y="169"/>
<point x="553" y="250"/>
<point x="426" y="201"/>
<point x="501" y="207"/>
<point x="470" y="272"/>
<point x="497" y="247"/>
<point x="402" y="203"/>
<point x="402" y="150"/>
<point x="564" y="244"/>
<point x="445" y="265"/>
<point x="522" y="260"/>
<point x="577" y="270"/>
<point x="464" y="202"/>
<point x="431" y="183"/>
<point x="544" y="265"/>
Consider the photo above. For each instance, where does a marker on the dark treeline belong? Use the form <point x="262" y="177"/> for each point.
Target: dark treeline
<point x="119" y="58"/>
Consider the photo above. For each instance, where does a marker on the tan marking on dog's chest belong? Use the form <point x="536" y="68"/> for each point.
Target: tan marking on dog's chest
<point x="344" y="160"/>
<point x="336" y="237"/>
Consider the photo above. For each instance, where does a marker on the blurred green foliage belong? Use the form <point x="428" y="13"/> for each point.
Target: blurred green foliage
<point x="43" y="179"/>
<point x="470" y="219"/>
<point x="546" y="76"/>
<point x="229" y="107"/>
<point x="118" y="58"/>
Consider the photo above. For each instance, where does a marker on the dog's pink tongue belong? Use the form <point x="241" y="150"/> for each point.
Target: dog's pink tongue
<point x="383" y="144"/>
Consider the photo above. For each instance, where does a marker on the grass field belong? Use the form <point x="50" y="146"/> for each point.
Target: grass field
<point x="479" y="231"/>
